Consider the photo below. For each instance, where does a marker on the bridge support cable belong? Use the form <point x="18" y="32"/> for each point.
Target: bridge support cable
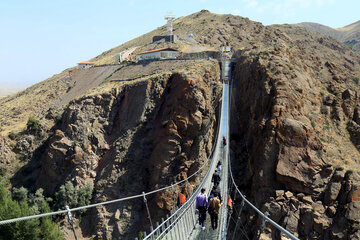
<point x="147" y="209"/>
<point x="71" y="221"/>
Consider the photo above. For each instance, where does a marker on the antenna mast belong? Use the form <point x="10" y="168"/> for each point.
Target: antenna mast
<point x="170" y="17"/>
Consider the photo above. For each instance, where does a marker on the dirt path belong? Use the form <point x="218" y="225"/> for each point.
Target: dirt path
<point x="84" y="79"/>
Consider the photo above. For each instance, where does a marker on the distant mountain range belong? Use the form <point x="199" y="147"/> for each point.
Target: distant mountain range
<point x="350" y="34"/>
<point x="5" y="91"/>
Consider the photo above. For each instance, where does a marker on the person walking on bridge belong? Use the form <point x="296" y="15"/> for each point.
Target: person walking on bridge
<point x="216" y="189"/>
<point x="224" y="141"/>
<point x="201" y="206"/>
<point x="181" y="198"/>
<point x="214" y="207"/>
<point x="216" y="178"/>
<point x="218" y="166"/>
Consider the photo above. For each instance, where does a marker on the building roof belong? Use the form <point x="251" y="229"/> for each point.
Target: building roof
<point x="86" y="62"/>
<point x="159" y="50"/>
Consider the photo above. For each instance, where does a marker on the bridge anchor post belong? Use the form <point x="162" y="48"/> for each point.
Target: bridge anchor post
<point x="147" y="209"/>
<point x="264" y="221"/>
<point x="71" y="220"/>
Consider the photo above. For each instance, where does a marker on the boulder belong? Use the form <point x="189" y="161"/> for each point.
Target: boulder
<point x="331" y="211"/>
<point x="332" y="192"/>
<point x="279" y="193"/>
<point x="307" y="199"/>
<point x="321" y="223"/>
<point x="288" y="194"/>
<point x="291" y="221"/>
<point x="117" y="215"/>
<point x="353" y="212"/>
<point x="274" y="209"/>
<point x="339" y="175"/>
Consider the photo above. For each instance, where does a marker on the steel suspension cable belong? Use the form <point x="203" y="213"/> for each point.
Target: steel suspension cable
<point x="100" y="203"/>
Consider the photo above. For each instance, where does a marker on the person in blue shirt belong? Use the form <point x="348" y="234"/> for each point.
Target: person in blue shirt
<point x="201" y="206"/>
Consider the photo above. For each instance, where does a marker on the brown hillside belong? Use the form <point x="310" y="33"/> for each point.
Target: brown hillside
<point x="349" y="34"/>
<point x="295" y="130"/>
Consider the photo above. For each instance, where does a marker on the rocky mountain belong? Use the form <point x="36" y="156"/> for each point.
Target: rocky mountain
<point x="350" y="34"/>
<point x="295" y="130"/>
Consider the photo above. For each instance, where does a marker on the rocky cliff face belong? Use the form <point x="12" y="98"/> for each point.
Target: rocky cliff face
<point x="6" y="157"/>
<point x="132" y="139"/>
<point x="296" y="108"/>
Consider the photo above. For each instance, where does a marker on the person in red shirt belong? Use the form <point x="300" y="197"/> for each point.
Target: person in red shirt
<point x="229" y="203"/>
<point x="181" y="198"/>
<point x="224" y="141"/>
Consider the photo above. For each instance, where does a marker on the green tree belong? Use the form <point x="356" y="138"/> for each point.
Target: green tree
<point x="85" y="194"/>
<point x="30" y="229"/>
<point x="37" y="201"/>
<point x="49" y="229"/>
<point x="19" y="194"/>
<point x="69" y="195"/>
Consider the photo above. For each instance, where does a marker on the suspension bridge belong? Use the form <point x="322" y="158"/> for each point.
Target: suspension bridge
<point x="182" y="222"/>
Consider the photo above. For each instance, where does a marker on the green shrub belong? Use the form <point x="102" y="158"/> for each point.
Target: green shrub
<point x="12" y="135"/>
<point x="69" y="195"/>
<point x="85" y="194"/>
<point x="32" y="125"/>
<point x="19" y="194"/>
<point x="356" y="80"/>
<point x="58" y="119"/>
<point x="326" y="125"/>
<point x="3" y="170"/>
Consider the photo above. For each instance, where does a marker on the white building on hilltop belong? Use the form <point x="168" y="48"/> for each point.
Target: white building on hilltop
<point x="161" y="53"/>
<point x="85" y="64"/>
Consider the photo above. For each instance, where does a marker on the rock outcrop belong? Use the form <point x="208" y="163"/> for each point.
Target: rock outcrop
<point x="6" y="158"/>
<point x="132" y="139"/>
<point x="296" y="106"/>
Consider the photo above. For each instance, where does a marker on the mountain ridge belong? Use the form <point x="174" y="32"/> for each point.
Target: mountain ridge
<point x="349" y="34"/>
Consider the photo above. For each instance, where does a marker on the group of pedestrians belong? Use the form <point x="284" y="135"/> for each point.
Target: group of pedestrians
<point x="209" y="204"/>
<point x="212" y="203"/>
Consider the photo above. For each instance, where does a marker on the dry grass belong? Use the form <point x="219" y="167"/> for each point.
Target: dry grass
<point x="17" y="108"/>
<point x="150" y="71"/>
<point x="337" y="147"/>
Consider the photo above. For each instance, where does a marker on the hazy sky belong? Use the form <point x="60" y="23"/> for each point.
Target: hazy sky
<point x="39" y="38"/>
